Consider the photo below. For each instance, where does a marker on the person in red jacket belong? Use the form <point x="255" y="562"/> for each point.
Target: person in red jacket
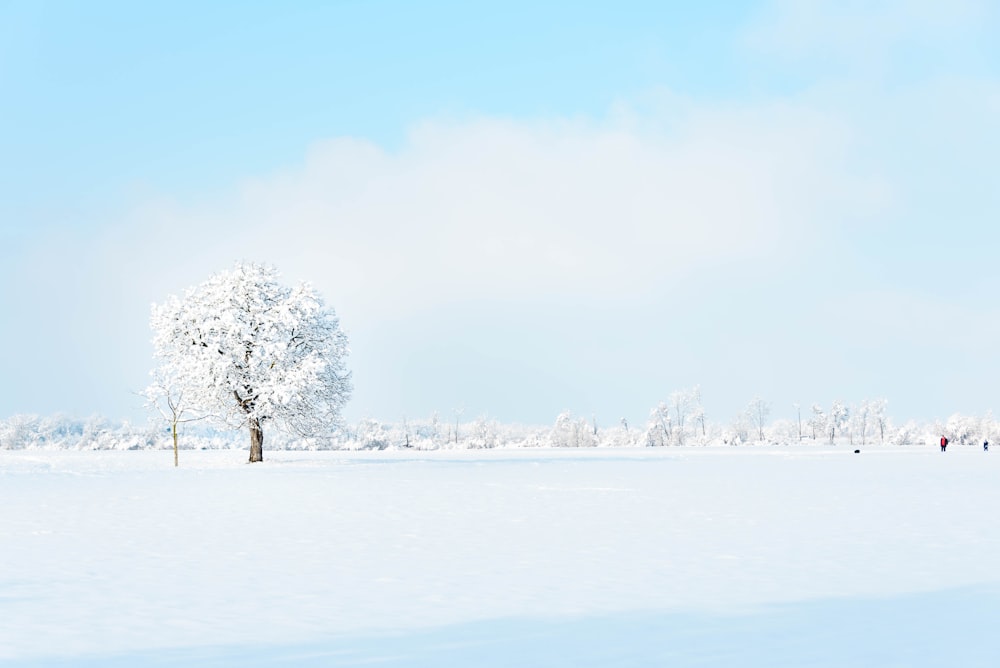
<point x="944" y="443"/>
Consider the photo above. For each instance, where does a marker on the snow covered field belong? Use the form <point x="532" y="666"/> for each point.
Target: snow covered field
<point x="762" y="556"/>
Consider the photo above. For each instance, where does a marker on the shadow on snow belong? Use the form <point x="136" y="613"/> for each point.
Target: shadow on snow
<point x="955" y="627"/>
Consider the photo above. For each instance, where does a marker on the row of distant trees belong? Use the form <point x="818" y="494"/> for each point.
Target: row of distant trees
<point x="680" y="421"/>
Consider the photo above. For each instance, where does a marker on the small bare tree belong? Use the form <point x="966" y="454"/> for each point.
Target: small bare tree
<point x="697" y="409"/>
<point x="167" y="399"/>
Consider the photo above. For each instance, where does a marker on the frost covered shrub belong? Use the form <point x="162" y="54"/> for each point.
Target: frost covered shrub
<point x="485" y="433"/>
<point x="908" y="434"/>
<point x="568" y="432"/>
<point x="371" y="435"/>
<point x="784" y="431"/>
<point x="18" y="432"/>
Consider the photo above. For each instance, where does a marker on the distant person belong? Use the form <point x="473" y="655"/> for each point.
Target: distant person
<point x="944" y="443"/>
<point x="986" y="445"/>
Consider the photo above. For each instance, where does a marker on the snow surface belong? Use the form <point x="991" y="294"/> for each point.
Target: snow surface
<point x="751" y="556"/>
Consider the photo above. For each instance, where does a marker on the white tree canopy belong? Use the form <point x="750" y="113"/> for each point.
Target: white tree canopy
<point x="248" y="350"/>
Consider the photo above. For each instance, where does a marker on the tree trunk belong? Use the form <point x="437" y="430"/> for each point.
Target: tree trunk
<point x="174" y="429"/>
<point x="256" y="441"/>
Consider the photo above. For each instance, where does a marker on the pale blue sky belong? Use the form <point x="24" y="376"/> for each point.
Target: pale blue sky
<point x="516" y="208"/>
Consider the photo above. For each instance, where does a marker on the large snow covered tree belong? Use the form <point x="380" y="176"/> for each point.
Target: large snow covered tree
<point x="249" y="351"/>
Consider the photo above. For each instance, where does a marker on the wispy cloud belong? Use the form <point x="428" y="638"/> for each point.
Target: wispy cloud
<point x="864" y="35"/>
<point x="514" y="210"/>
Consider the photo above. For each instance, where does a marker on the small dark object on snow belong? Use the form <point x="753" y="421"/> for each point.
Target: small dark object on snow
<point x="857" y="452"/>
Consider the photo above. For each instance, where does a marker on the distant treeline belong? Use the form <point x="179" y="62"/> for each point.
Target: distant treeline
<point x="670" y="424"/>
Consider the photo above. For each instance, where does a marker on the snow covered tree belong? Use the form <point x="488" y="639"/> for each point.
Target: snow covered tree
<point x="248" y="350"/>
<point x="739" y="430"/>
<point x="861" y="420"/>
<point x="963" y="429"/>
<point x="680" y="402"/>
<point x="619" y="436"/>
<point x="372" y="434"/>
<point x="839" y="418"/>
<point x="563" y="431"/>
<point x="881" y="421"/>
<point x="688" y="414"/>
<point x="698" y="411"/>
<point x="783" y="431"/>
<point x="988" y="427"/>
<point x="818" y="420"/>
<point x="485" y="432"/>
<point x="758" y="410"/>
<point x="18" y="432"/>
<point x="659" y="428"/>
<point x="907" y="434"/>
<point x="569" y="432"/>
<point x="458" y="416"/>
<point x="435" y="427"/>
